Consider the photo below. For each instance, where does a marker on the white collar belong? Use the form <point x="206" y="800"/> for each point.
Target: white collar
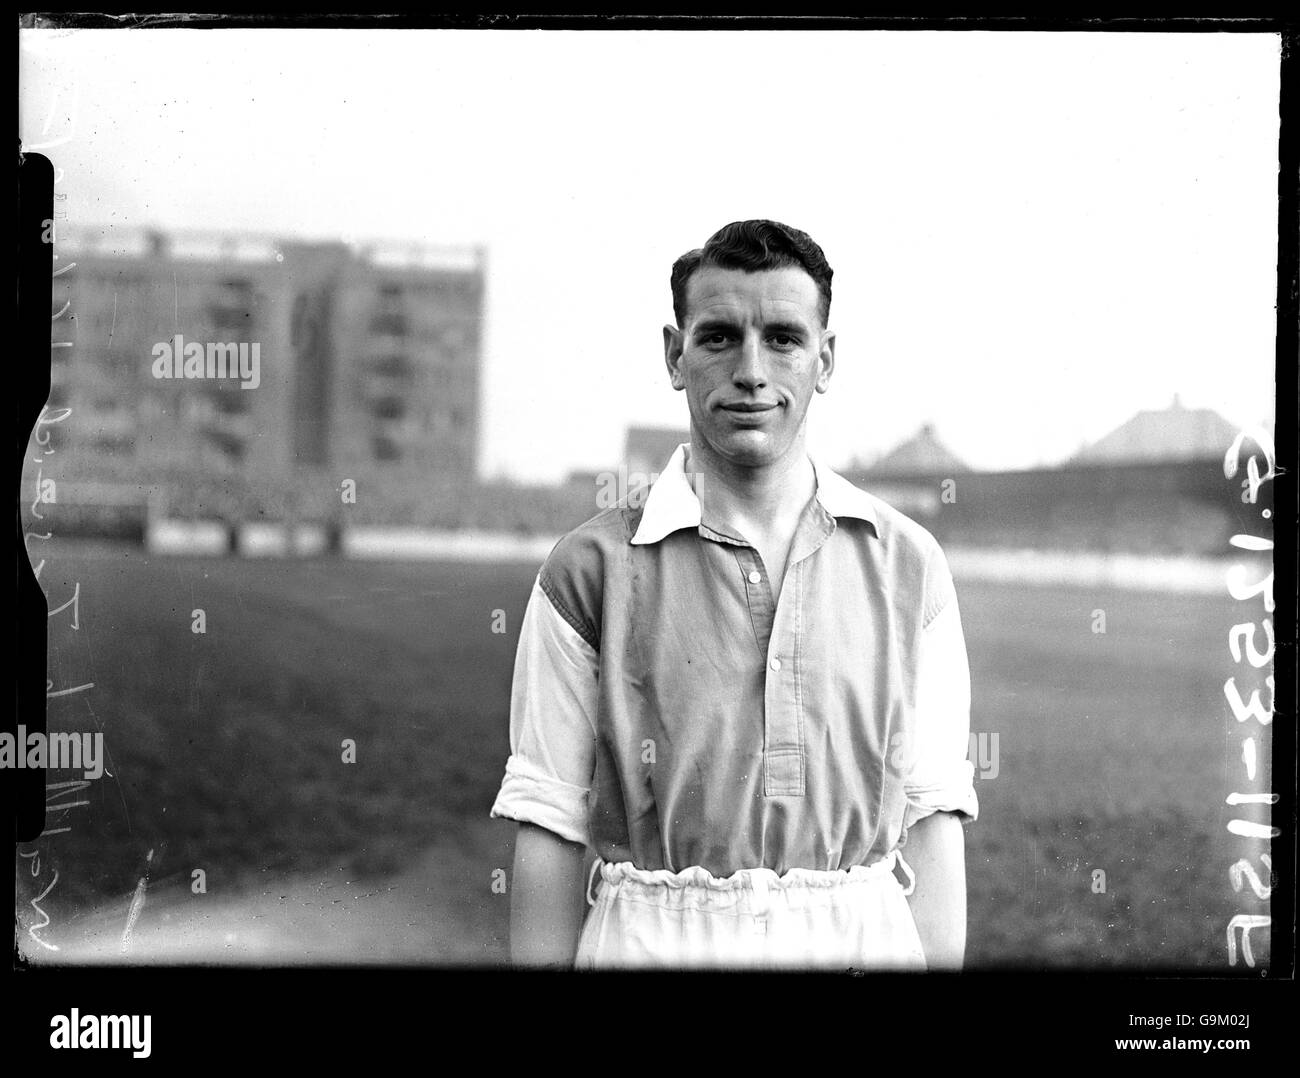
<point x="672" y="504"/>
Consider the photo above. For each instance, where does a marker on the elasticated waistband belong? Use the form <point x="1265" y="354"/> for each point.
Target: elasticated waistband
<point x="668" y="887"/>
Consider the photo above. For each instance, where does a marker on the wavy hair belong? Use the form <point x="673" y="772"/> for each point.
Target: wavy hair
<point x="752" y="246"/>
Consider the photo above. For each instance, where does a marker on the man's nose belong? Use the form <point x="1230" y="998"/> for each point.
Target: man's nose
<point x="750" y="372"/>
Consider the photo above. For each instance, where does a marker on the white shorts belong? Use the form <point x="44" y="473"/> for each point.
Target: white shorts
<point x="858" y="919"/>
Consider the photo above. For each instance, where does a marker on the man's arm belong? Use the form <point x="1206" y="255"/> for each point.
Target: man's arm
<point x="936" y="852"/>
<point x="546" y="898"/>
<point x="940" y="787"/>
<point x="553" y="703"/>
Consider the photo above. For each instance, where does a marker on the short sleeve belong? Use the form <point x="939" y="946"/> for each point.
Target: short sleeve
<point x="552" y="724"/>
<point x="941" y="777"/>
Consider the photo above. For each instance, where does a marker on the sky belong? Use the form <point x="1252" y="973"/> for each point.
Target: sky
<point x="1034" y="235"/>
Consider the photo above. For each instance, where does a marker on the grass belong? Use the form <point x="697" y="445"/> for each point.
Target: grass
<point x="225" y="747"/>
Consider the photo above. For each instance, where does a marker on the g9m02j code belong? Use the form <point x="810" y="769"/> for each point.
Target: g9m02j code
<point x="1242" y="1020"/>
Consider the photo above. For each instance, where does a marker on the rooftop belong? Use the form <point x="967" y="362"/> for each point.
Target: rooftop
<point x="1169" y="434"/>
<point x="921" y="454"/>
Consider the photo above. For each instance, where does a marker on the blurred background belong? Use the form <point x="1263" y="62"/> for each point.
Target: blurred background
<point x="442" y="259"/>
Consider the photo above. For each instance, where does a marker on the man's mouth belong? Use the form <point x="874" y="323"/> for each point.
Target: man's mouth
<point x="748" y="406"/>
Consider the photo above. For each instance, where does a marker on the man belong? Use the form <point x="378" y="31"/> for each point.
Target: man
<point x="750" y="691"/>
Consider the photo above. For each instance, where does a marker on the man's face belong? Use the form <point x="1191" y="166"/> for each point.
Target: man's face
<point x="750" y="355"/>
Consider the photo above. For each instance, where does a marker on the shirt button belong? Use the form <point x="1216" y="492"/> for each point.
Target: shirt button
<point x="755" y="577"/>
<point x="775" y="664"/>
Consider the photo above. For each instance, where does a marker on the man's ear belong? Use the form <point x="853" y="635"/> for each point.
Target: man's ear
<point x="826" y="361"/>
<point x="673" y="338"/>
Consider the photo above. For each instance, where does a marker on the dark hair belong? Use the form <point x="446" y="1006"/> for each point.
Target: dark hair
<point x="753" y="246"/>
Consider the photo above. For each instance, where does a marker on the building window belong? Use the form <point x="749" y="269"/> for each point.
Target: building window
<point x="389" y="408"/>
<point x="232" y="309"/>
<point x="389" y="316"/>
<point x="228" y="445"/>
<point x="393" y="366"/>
<point x="232" y="402"/>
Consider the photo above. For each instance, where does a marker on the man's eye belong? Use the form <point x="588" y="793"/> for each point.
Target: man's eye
<point x="784" y="340"/>
<point x="715" y="339"/>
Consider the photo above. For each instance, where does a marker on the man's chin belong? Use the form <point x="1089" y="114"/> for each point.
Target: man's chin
<point x="749" y="448"/>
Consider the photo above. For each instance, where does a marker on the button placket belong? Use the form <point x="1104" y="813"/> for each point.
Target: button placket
<point x="758" y="594"/>
<point x="783" y="745"/>
<point x="783" y="755"/>
<point x="777" y="624"/>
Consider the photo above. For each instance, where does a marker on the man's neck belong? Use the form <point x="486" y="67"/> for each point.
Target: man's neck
<point x="753" y="499"/>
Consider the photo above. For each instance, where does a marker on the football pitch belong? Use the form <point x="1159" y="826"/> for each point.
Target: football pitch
<point x="1101" y="841"/>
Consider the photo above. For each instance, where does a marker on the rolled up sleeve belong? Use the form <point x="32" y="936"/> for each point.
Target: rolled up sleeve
<point x="552" y="725"/>
<point x="941" y="778"/>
